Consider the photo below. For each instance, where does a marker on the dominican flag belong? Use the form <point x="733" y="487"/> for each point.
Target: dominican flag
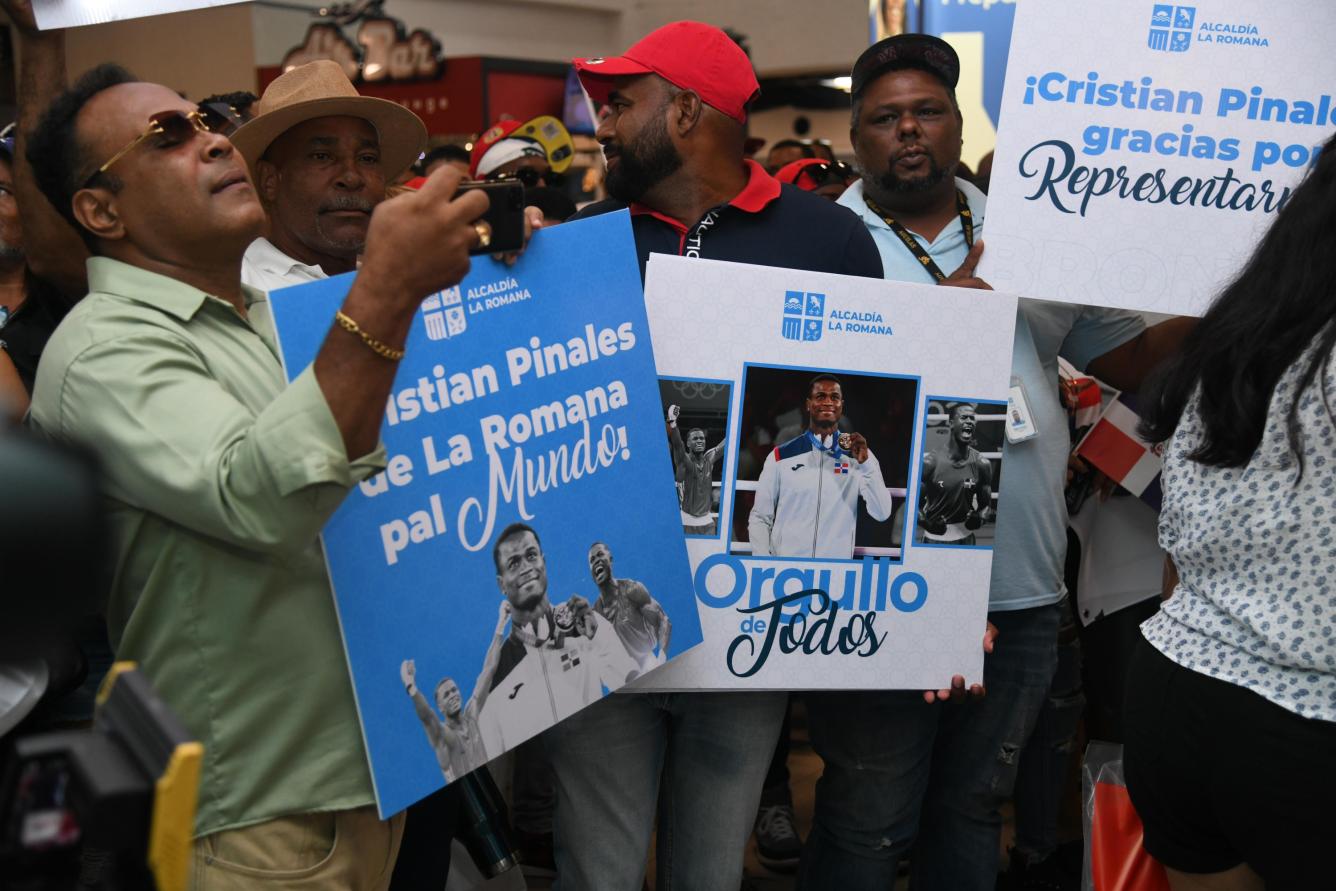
<point x="841" y="467"/>
<point x="1082" y="396"/>
<point x="1113" y="446"/>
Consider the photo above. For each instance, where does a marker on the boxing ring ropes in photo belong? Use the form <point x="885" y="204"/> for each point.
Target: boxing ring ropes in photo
<point x="898" y="494"/>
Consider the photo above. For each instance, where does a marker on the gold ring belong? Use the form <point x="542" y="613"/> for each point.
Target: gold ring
<point x="484" y="234"/>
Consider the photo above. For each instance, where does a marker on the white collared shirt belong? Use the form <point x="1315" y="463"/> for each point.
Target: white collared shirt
<point x="267" y="268"/>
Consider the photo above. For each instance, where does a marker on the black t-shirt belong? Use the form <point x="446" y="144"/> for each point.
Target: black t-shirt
<point x="767" y="223"/>
<point x="28" y="329"/>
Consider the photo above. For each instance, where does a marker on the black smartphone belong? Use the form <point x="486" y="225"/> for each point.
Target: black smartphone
<point x="506" y="215"/>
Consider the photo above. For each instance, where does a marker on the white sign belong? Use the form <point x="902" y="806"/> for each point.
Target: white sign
<point x="837" y="446"/>
<point x="74" y="13"/>
<point x="1144" y="147"/>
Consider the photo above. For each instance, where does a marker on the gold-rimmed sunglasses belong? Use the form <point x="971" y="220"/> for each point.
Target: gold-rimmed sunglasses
<point x="171" y="128"/>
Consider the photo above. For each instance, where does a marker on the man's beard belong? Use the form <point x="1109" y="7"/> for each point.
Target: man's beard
<point x="342" y="244"/>
<point x="889" y="182"/>
<point x="644" y="164"/>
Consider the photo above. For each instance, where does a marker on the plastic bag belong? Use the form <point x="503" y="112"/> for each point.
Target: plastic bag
<point x="1114" y="857"/>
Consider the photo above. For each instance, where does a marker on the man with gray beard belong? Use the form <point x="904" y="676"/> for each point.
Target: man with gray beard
<point x="320" y="156"/>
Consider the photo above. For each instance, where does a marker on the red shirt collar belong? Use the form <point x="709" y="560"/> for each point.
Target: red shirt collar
<point x="760" y="190"/>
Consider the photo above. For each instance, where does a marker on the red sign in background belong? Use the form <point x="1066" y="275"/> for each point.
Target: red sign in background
<point x="472" y="93"/>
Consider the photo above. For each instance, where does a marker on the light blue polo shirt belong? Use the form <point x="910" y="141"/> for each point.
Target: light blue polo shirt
<point x="1031" y="542"/>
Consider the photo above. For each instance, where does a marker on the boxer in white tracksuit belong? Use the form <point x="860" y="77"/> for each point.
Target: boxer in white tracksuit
<point x="807" y="496"/>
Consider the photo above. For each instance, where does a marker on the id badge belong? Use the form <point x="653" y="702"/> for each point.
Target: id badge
<point x="1020" y="420"/>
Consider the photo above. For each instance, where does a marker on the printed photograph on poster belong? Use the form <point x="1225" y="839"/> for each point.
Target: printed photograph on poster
<point x="564" y="655"/>
<point x="1143" y="148"/>
<point x="833" y="484"/>
<point x="495" y="578"/>
<point x="960" y="472"/>
<point x="814" y="581"/>
<point x="696" y="413"/>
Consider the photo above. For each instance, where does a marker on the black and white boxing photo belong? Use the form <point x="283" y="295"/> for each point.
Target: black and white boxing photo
<point x="639" y="620"/>
<point x="960" y="473"/>
<point x="454" y="733"/>
<point x="556" y="658"/>
<point x="824" y="461"/>
<point x="696" y="414"/>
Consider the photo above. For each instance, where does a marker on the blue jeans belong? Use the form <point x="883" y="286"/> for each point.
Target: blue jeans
<point x="712" y="751"/>
<point x="901" y="774"/>
<point x="1046" y="761"/>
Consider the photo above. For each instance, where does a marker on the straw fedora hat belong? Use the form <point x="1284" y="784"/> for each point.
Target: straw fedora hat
<point x="321" y="89"/>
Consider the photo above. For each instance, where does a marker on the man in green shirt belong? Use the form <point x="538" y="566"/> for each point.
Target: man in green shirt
<point x="218" y="476"/>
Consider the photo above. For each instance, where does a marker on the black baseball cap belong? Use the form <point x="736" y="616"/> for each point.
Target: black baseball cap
<point x="923" y="51"/>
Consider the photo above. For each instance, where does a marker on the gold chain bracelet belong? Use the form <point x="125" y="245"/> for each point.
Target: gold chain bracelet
<point x="383" y="350"/>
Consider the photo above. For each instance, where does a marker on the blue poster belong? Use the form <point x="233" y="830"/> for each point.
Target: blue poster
<point x="522" y="555"/>
<point x="992" y="19"/>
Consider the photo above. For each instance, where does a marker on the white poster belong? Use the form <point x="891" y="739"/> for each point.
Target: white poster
<point x="74" y="13"/>
<point x="837" y="449"/>
<point x="1144" y="147"/>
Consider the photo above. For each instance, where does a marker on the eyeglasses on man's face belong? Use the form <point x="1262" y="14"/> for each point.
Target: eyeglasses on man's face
<point x="166" y="130"/>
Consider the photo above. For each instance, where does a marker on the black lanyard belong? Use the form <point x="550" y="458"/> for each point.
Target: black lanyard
<point x="912" y="243"/>
<point x="693" y="243"/>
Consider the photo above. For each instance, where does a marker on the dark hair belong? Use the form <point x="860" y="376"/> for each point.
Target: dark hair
<point x="1258" y="327"/>
<point x="447" y="152"/>
<point x="58" y="159"/>
<point x="805" y="147"/>
<point x="511" y="531"/>
<point x="554" y="203"/>
<point x="700" y="430"/>
<point x="856" y="107"/>
<point x="951" y="413"/>
<point x="241" y="100"/>
<point x="811" y="385"/>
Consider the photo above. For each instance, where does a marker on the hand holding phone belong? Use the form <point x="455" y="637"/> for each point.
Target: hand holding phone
<point x="504" y="216"/>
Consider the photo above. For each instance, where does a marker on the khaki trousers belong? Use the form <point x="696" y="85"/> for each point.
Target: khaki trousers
<point x="349" y="850"/>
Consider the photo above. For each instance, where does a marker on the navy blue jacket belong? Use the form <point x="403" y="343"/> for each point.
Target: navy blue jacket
<point x="767" y="224"/>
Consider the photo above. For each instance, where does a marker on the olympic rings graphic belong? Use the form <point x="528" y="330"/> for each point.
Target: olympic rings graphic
<point x="697" y="389"/>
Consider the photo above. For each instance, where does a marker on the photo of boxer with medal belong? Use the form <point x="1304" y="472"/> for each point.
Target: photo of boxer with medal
<point x="807" y="496"/>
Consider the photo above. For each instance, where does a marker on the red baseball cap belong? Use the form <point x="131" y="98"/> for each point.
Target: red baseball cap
<point x="790" y="172"/>
<point x="490" y="137"/>
<point x="690" y="56"/>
